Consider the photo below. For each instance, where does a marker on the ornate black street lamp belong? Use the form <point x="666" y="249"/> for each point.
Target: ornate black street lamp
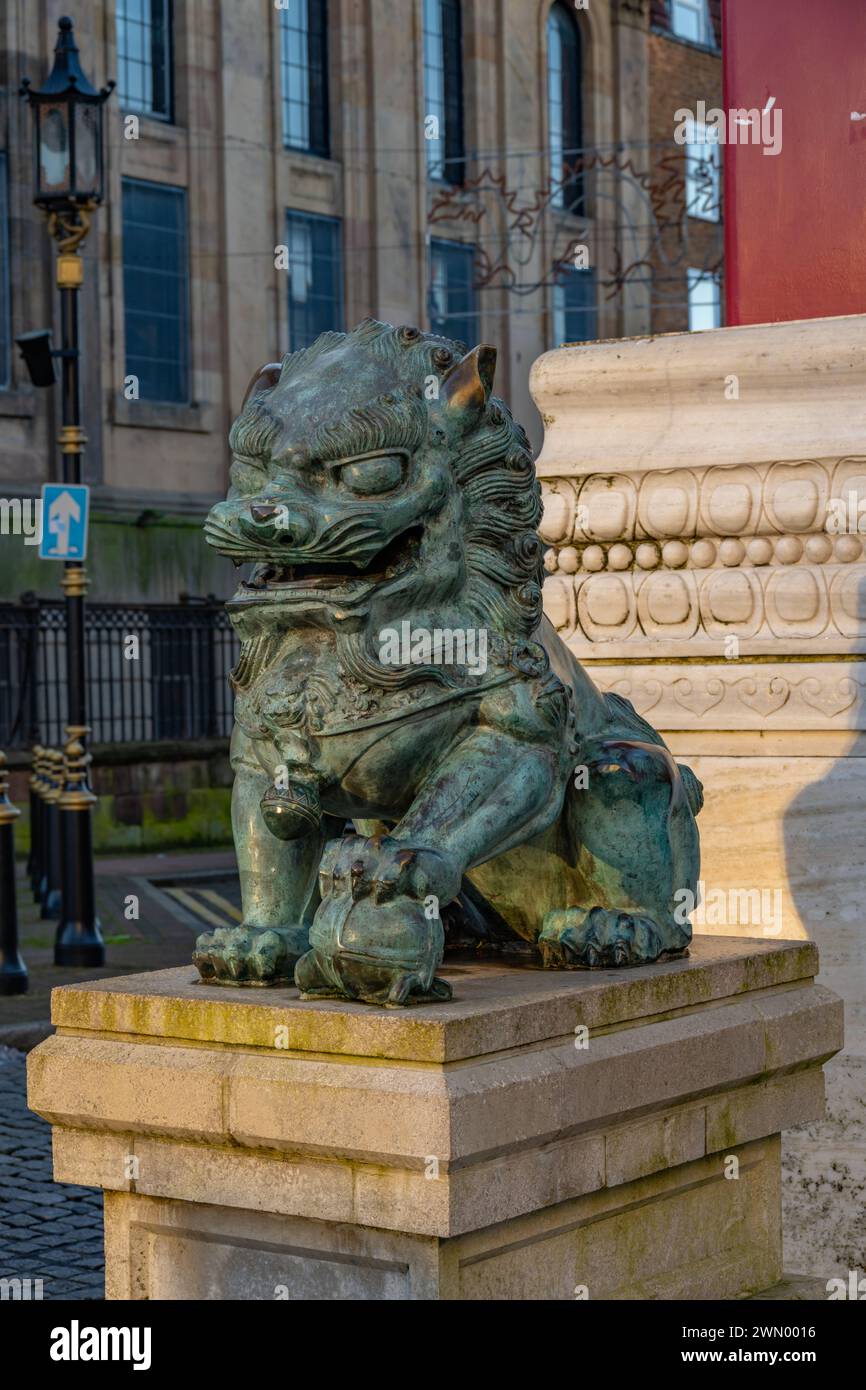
<point x="68" y="118"/>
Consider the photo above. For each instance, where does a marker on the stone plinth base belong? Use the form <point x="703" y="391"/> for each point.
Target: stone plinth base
<point x="544" y="1136"/>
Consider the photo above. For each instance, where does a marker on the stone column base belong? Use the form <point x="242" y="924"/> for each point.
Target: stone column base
<point x="606" y="1134"/>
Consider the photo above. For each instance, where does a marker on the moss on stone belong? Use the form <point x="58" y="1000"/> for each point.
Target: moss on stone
<point x="206" y="822"/>
<point x="128" y="561"/>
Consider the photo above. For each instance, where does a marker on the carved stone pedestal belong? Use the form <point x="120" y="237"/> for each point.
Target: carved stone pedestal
<point x="705" y="511"/>
<point x="609" y="1135"/>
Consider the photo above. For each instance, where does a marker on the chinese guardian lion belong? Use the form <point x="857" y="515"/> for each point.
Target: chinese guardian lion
<point x="504" y="806"/>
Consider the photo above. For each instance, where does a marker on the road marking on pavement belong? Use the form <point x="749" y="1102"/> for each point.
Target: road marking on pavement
<point x="193" y="905"/>
<point x="219" y="901"/>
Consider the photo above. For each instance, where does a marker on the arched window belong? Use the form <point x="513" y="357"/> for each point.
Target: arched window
<point x="443" y="90"/>
<point x="564" y="105"/>
<point x="304" y="69"/>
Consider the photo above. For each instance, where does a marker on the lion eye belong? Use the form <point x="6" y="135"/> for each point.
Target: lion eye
<point x="373" y="475"/>
<point x="246" y="474"/>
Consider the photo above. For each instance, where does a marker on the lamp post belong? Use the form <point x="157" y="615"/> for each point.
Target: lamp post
<point x="68" y="119"/>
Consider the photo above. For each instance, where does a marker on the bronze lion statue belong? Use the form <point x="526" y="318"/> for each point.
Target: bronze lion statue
<point x="420" y="762"/>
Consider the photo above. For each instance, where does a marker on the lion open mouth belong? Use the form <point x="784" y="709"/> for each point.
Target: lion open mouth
<point x="392" y="560"/>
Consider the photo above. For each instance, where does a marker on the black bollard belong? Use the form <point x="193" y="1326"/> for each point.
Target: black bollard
<point x="13" y="971"/>
<point x="51" y="895"/>
<point x="79" y="938"/>
<point x="37" y="820"/>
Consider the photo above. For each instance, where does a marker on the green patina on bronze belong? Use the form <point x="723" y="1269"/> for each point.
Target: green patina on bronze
<point x="383" y="493"/>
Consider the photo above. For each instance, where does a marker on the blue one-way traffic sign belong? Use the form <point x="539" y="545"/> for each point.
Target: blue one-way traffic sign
<point x="64" y="521"/>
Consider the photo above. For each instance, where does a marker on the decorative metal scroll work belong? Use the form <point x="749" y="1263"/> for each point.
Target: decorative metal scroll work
<point x="666" y="220"/>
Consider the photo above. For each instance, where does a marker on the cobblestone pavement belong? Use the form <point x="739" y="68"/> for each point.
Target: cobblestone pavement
<point x="53" y="1231"/>
<point x="159" y="933"/>
<point x="48" y="1231"/>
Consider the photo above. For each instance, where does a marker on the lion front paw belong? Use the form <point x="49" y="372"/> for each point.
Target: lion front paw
<point x="591" y="938"/>
<point x="249" y="955"/>
<point x="376" y="936"/>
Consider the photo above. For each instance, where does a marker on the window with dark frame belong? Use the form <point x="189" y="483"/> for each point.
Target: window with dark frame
<point x="156" y="290"/>
<point x="304" y="73"/>
<point x="315" y="277"/>
<point x="452" y="307"/>
<point x="144" y="57"/>
<point x="565" y="108"/>
<point x="443" y="90"/>
<point x="575" y="307"/>
<point x="5" y="315"/>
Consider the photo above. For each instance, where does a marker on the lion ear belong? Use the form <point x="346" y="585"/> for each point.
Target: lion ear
<point x="263" y="380"/>
<point x="467" y="386"/>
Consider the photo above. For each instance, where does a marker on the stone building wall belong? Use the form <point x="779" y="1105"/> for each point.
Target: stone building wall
<point x="156" y="467"/>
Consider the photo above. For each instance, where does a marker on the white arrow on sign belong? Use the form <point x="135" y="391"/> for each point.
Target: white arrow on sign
<point x="62" y="509"/>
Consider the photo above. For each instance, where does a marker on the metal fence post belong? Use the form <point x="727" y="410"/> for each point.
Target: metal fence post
<point x="213" y="609"/>
<point x="34" y="872"/>
<point x="39" y="784"/>
<point x="29" y="730"/>
<point x="51" y="894"/>
<point x="13" y="972"/>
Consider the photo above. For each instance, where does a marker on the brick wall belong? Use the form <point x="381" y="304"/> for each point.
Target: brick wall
<point x="680" y="74"/>
<point x="660" y="16"/>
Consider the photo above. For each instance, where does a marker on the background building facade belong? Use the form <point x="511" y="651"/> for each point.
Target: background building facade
<point x="275" y="169"/>
<point x="498" y="171"/>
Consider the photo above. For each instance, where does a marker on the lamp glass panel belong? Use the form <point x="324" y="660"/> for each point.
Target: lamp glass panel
<point x="87" y="151"/>
<point x="54" y="170"/>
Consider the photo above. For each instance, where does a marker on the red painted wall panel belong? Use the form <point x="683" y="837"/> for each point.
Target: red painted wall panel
<point x="795" y="222"/>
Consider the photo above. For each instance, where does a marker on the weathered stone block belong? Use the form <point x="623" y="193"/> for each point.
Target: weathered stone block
<point x="254" y="1146"/>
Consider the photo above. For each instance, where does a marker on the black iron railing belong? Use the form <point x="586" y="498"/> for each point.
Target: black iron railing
<point x="154" y="671"/>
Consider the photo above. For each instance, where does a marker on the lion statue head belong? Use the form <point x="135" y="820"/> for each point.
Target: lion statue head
<point x="375" y="477"/>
